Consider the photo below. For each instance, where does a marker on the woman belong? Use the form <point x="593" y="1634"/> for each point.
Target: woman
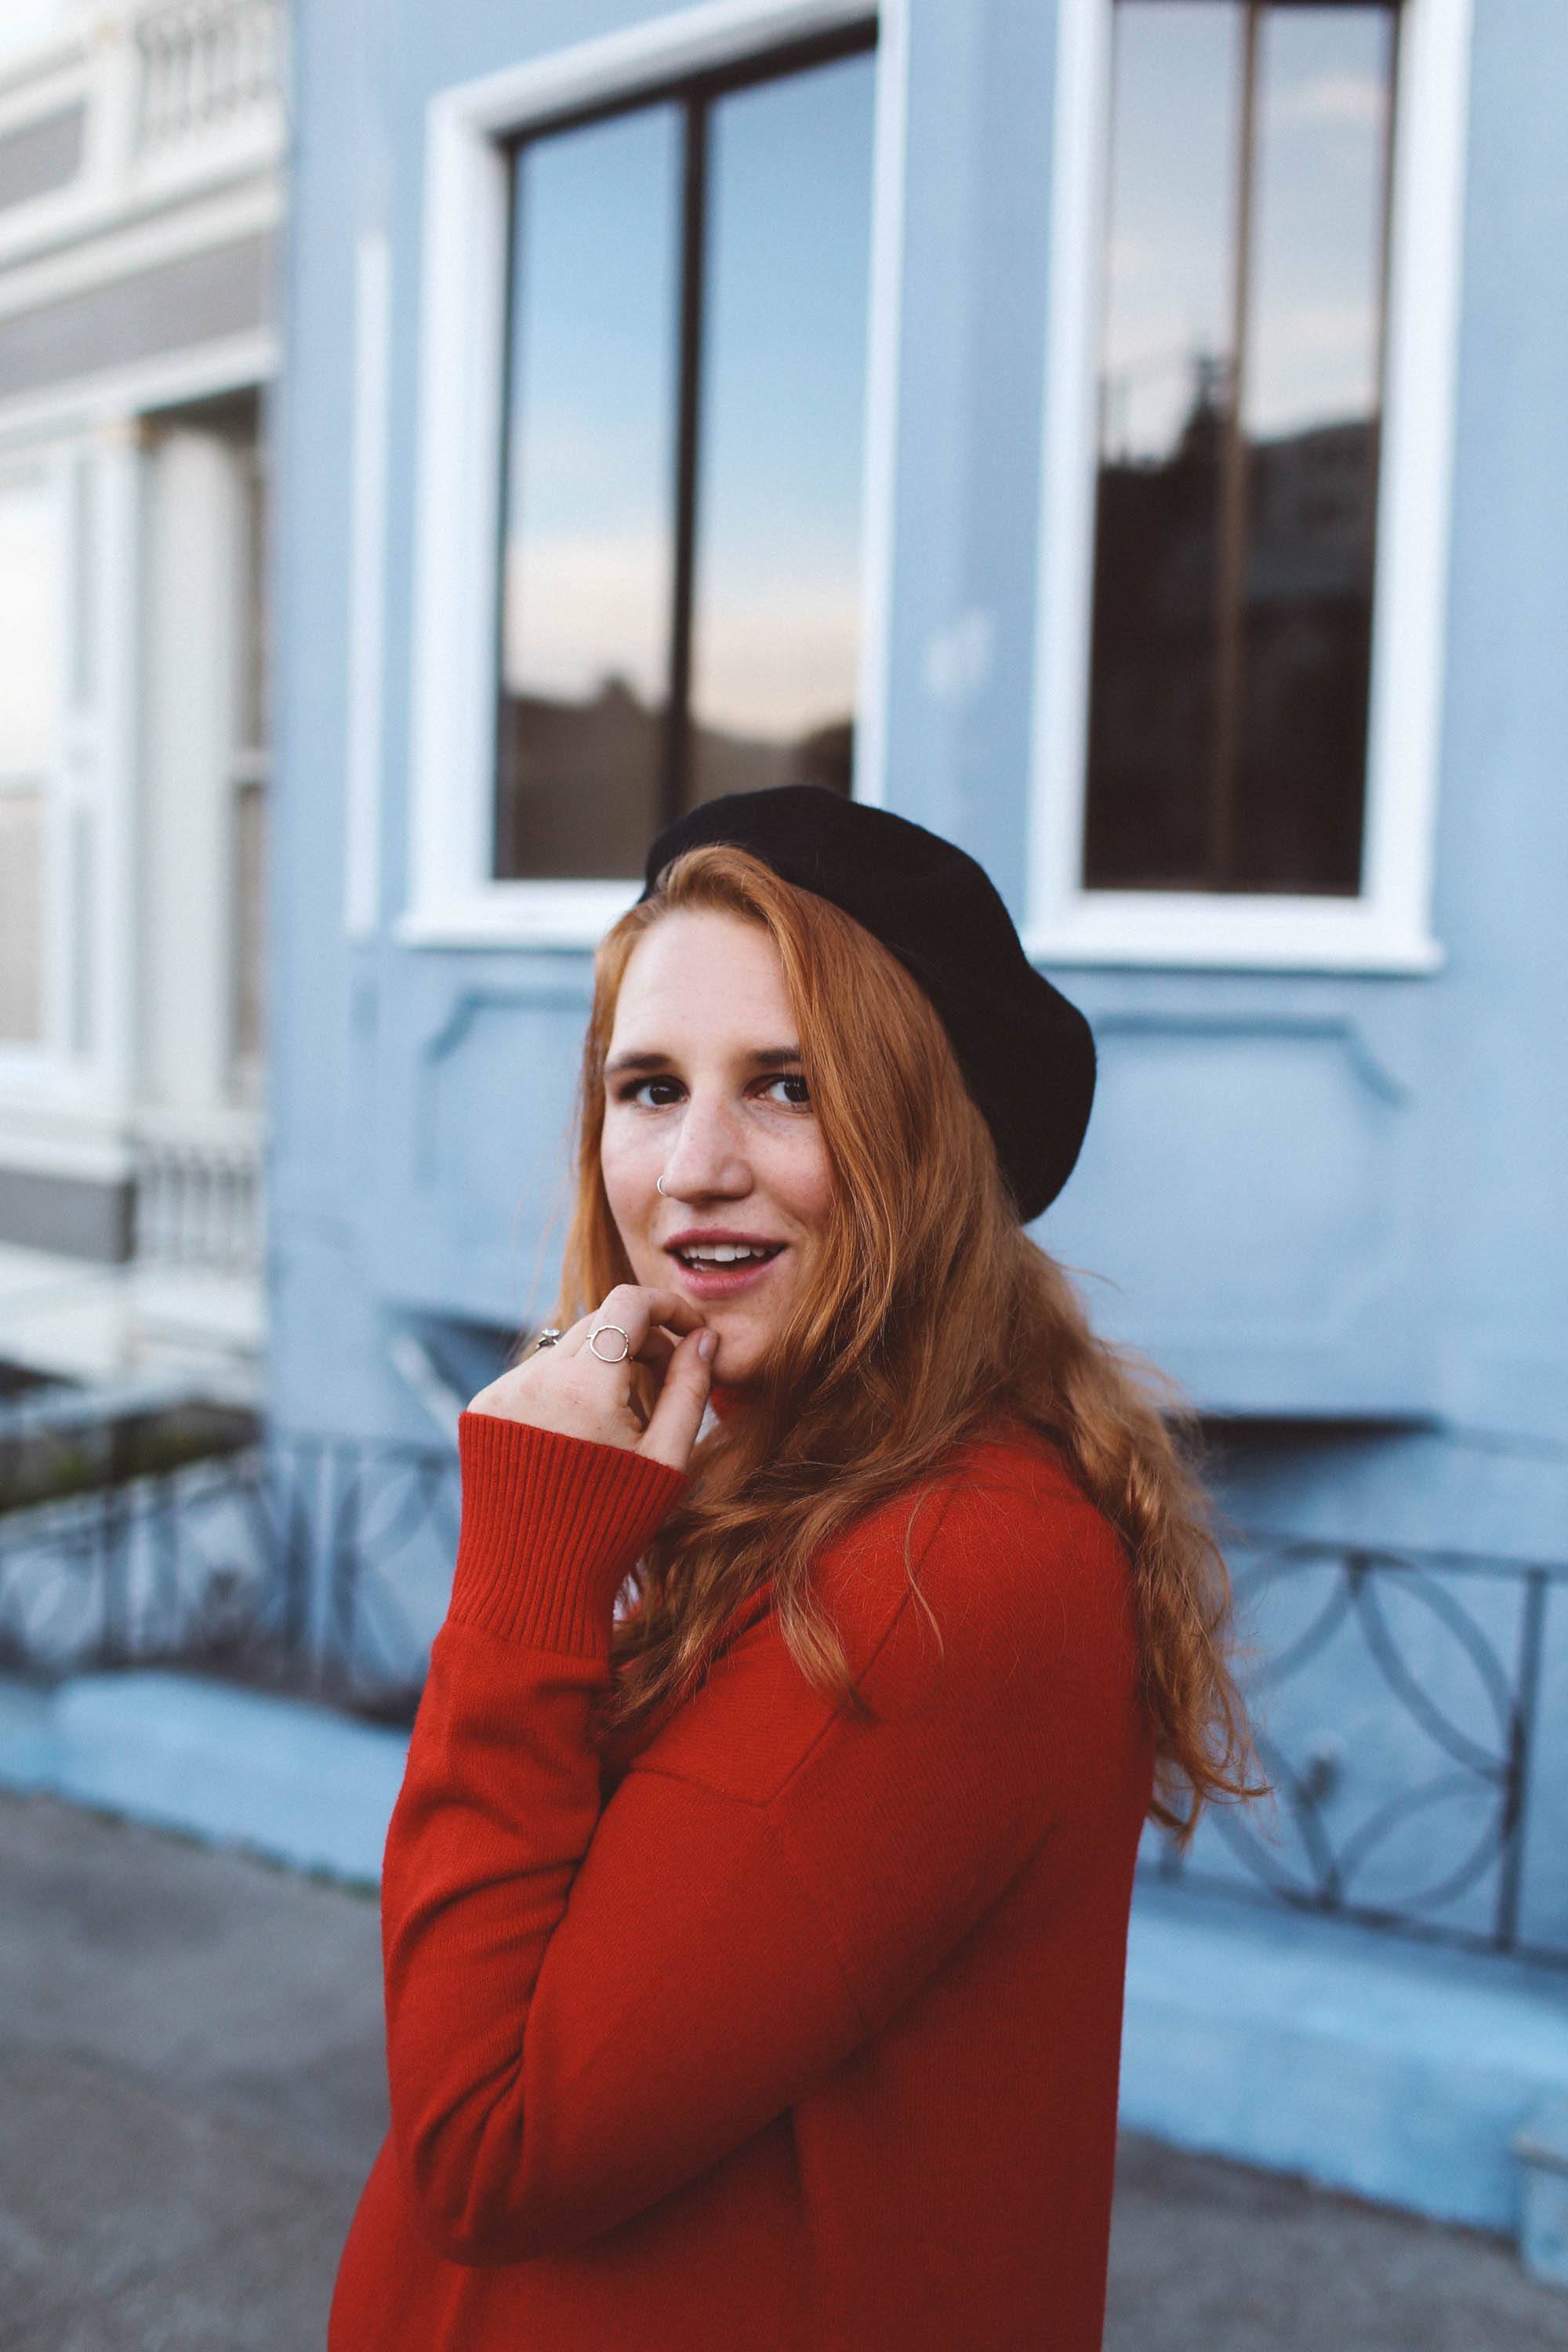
<point x="754" y="1958"/>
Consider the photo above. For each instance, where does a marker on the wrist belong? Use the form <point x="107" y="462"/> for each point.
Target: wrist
<point x="551" y="1525"/>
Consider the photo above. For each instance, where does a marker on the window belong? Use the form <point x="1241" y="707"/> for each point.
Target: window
<point x="1253" y="333"/>
<point x="680" y="530"/>
<point x="1239" y="400"/>
<point x="32" y="595"/>
<point x="653" y="513"/>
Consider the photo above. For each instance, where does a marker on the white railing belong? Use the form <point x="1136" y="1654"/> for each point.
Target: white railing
<point x="198" y="1204"/>
<point x="205" y="65"/>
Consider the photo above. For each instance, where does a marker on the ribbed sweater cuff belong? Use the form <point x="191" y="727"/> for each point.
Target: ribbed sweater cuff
<point x="551" y="1526"/>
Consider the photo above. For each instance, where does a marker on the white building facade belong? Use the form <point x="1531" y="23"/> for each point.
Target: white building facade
<point x="141" y="197"/>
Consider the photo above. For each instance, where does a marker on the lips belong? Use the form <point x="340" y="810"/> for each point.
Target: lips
<point x="706" y="1273"/>
<point x="711" y="1246"/>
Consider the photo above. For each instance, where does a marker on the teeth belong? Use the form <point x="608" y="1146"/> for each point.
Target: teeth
<point x="722" y="1254"/>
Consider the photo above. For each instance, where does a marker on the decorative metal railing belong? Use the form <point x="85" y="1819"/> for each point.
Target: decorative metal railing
<point x="309" y="1564"/>
<point x="198" y="1205"/>
<point x="1412" y="1707"/>
<point x="203" y="65"/>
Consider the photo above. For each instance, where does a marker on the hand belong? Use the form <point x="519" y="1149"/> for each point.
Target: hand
<point x="568" y="1388"/>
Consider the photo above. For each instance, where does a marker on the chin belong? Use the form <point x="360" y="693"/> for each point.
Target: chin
<point x="734" y="1365"/>
<point x="741" y="1355"/>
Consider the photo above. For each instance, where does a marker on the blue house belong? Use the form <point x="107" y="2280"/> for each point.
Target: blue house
<point x="1125" y="437"/>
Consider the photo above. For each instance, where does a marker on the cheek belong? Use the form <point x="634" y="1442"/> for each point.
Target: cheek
<point x="810" y="1186"/>
<point x="627" y="1181"/>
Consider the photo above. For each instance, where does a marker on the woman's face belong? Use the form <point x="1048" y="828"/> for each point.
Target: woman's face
<point x="703" y="1088"/>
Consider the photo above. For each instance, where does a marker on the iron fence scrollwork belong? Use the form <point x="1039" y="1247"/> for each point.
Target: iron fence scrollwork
<point x="1403" y="1702"/>
<point x="309" y="1564"/>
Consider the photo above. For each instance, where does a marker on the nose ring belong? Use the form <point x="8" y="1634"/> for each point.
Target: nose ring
<point x="659" y="1187"/>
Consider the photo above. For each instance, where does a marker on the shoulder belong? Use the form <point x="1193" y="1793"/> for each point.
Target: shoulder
<point x="1007" y="1609"/>
<point x="990" y="1579"/>
<point x="997" y="1527"/>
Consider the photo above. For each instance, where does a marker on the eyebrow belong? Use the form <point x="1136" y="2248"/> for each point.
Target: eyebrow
<point x="766" y="1057"/>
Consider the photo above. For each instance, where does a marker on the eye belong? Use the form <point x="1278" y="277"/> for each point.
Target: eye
<point x="652" y="1094"/>
<point x="801" y="1097"/>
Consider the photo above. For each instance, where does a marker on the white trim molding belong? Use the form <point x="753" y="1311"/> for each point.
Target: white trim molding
<point x="83" y="404"/>
<point x="879" y="470"/>
<point x="453" y="899"/>
<point x="367" y="584"/>
<point x="1386" y="927"/>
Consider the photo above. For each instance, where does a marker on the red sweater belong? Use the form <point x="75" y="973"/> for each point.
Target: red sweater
<point x="798" y="2035"/>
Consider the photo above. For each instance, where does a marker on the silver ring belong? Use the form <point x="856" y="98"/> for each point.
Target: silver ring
<point x="658" y="1187"/>
<point x="547" y="1337"/>
<point x="625" y="1338"/>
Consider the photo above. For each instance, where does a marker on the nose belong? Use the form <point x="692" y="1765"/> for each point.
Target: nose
<point x="709" y="1159"/>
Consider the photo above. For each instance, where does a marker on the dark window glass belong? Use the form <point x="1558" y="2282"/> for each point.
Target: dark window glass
<point x="679" y="594"/>
<point x="1240" y="387"/>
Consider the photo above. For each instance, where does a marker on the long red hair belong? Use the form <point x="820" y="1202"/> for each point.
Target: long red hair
<point x="934" y="1315"/>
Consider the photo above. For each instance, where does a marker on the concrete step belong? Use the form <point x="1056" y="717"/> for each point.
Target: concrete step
<point x="299" y="1782"/>
<point x="1399" y="2071"/>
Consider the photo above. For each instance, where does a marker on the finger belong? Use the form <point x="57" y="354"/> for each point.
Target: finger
<point x="669" y="1308"/>
<point x="657" y="1350"/>
<point x="674" y="1423"/>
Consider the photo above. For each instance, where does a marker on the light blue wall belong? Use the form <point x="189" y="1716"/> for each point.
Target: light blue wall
<point x="1499" y="1048"/>
<point x="1334" y="1197"/>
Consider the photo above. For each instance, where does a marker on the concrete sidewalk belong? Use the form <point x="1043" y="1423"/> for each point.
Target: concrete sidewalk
<point x="191" y="2091"/>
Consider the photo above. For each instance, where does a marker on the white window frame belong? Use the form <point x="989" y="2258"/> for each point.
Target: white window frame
<point x="453" y="899"/>
<point x="1387" y="928"/>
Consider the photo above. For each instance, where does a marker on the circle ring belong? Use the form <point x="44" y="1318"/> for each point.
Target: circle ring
<point x="598" y="1333"/>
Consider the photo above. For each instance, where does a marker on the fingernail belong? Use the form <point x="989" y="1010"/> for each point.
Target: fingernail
<point x="706" y="1345"/>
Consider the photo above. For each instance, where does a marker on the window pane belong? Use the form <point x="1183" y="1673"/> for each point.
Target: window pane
<point x="22" y="823"/>
<point x="29" y="625"/>
<point x="1233" y="556"/>
<point x="1165" y="372"/>
<point x="587" y="564"/>
<point x="1310" y="411"/>
<point x="776" y="632"/>
<point x="1170" y="262"/>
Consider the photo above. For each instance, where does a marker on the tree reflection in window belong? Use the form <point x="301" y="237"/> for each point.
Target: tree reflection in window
<point x="680" y="597"/>
<point x="1241" y="365"/>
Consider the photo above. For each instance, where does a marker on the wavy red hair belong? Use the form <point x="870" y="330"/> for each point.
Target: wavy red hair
<point x="935" y="1316"/>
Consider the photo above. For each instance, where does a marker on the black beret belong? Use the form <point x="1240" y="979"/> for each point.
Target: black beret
<point x="1026" y="1053"/>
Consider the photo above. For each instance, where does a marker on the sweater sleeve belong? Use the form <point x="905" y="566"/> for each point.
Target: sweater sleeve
<point x="586" y="2009"/>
